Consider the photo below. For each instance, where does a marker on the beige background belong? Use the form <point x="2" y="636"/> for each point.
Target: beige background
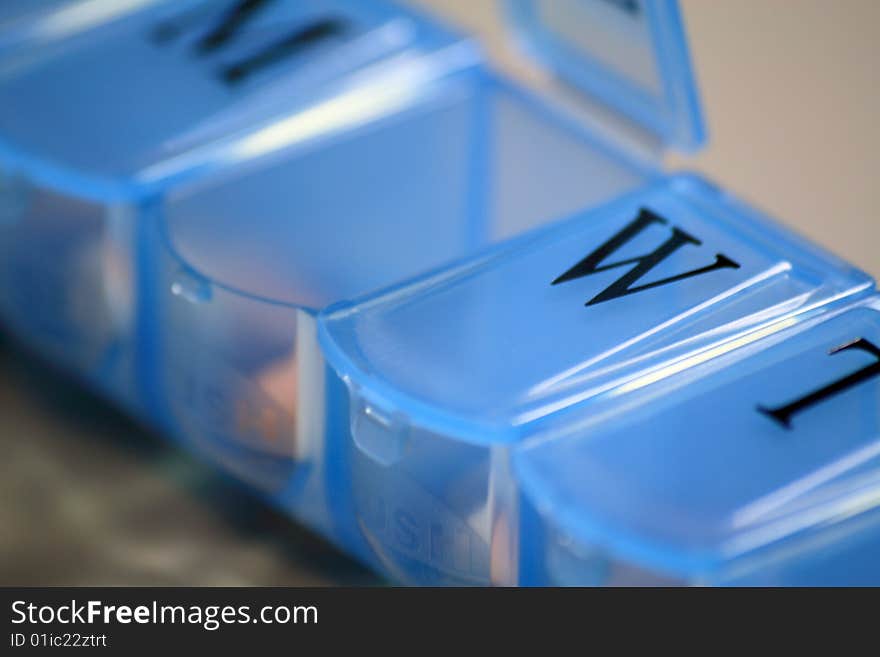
<point x="791" y="96"/>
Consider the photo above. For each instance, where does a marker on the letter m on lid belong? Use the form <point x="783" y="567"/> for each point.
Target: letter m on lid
<point x="641" y="265"/>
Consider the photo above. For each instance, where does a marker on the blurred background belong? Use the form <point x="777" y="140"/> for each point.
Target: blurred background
<point x="791" y="95"/>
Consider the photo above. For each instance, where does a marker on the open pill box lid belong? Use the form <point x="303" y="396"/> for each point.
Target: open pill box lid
<point x="631" y="55"/>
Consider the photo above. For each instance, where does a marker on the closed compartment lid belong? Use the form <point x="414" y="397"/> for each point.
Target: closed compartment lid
<point x="759" y="458"/>
<point x="581" y="310"/>
<point x="123" y="99"/>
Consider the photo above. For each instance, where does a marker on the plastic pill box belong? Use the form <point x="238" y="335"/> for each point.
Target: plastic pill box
<point x="537" y="347"/>
<point x="471" y="334"/>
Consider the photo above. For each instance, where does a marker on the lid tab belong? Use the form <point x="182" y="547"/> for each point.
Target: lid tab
<point x="629" y="54"/>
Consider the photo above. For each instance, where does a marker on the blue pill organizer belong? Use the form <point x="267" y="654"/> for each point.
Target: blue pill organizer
<point x="470" y="334"/>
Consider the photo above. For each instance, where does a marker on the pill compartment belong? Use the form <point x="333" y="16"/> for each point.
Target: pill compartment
<point x="187" y="184"/>
<point x="67" y="279"/>
<point x="450" y="373"/>
<point x="760" y="468"/>
<point x="104" y="106"/>
<point x="412" y="169"/>
<point x="253" y="254"/>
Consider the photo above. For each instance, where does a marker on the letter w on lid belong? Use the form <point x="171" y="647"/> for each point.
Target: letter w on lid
<point x="592" y="264"/>
<point x="689" y="273"/>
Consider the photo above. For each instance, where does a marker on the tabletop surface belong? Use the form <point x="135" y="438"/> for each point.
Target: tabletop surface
<point x="88" y="497"/>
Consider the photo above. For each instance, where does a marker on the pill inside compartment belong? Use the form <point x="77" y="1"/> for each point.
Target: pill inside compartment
<point x="354" y="202"/>
<point x="104" y="106"/>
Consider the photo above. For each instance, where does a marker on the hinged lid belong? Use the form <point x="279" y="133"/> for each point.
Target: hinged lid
<point x="630" y="54"/>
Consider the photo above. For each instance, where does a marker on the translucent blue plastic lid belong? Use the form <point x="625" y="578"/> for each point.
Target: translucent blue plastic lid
<point x="584" y="310"/>
<point x="779" y="448"/>
<point x="15" y="10"/>
<point x="630" y="54"/>
<point x="29" y="21"/>
<point x="117" y="97"/>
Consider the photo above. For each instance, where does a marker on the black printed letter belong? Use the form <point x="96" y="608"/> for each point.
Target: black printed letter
<point x="643" y="264"/>
<point x="783" y="414"/>
<point x="233" y="22"/>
